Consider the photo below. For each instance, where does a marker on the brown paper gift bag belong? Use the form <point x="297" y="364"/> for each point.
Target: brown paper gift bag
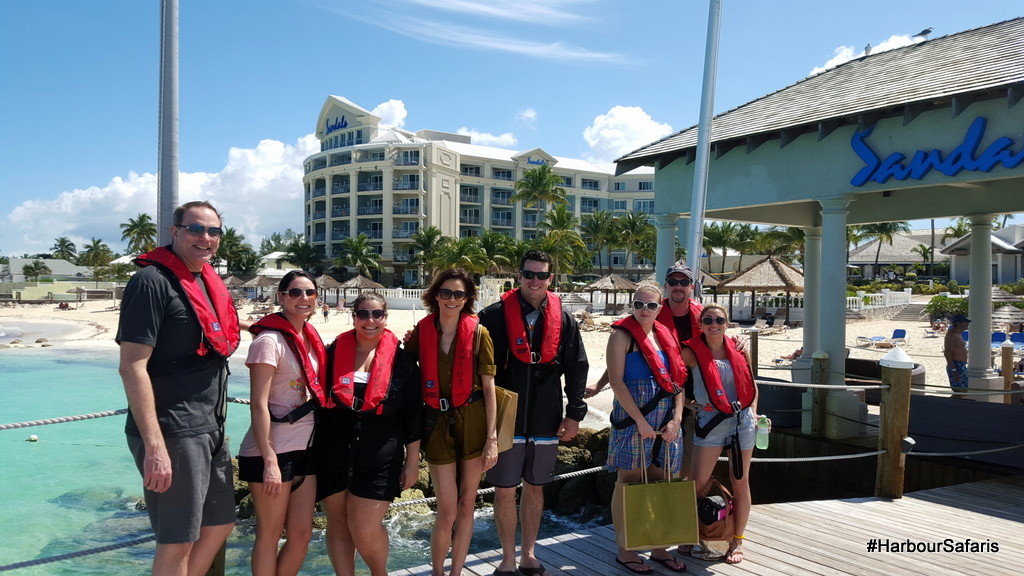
<point x="656" y="514"/>
<point x="508" y="403"/>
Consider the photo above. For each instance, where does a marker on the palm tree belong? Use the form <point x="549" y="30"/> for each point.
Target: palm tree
<point x="425" y="243"/>
<point x="598" y="231"/>
<point x="465" y="253"/>
<point x="633" y="229"/>
<point x="537" y="185"/>
<point x="96" y="255"/>
<point x="746" y="234"/>
<point x="35" y="269"/>
<point x="64" y="249"/>
<point x="883" y="232"/>
<point x="926" y="255"/>
<point x="721" y="236"/>
<point x="785" y="243"/>
<point x="231" y="249"/>
<point x="498" y="250"/>
<point x="141" y="234"/>
<point x="304" y="256"/>
<point x="360" y="254"/>
<point x="958" y="229"/>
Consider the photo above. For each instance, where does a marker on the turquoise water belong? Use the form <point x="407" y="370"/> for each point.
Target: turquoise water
<point x="74" y="488"/>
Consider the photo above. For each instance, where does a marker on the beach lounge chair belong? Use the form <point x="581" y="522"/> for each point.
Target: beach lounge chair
<point x="869" y="341"/>
<point x="1018" y="340"/>
<point x="760" y="325"/>
<point x="899" y="338"/>
<point x="780" y="317"/>
<point x="760" y="313"/>
<point x="998" y="338"/>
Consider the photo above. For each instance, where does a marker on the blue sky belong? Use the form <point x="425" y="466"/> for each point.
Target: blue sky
<point x="580" y="78"/>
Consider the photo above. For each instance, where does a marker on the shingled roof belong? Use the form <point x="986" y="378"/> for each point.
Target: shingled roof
<point x="950" y="71"/>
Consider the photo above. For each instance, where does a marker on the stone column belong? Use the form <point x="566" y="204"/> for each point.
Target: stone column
<point x="832" y="304"/>
<point x="665" y="255"/>
<point x="979" y="359"/>
<point x="812" y="299"/>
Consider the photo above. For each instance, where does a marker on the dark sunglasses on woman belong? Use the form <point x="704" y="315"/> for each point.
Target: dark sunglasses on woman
<point x="297" y="292"/>
<point x="366" y="314"/>
<point x="708" y="321"/>
<point x="447" y="294"/>
<point x="638" y="305"/>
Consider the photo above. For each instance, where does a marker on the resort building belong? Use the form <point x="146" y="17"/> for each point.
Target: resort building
<point x="386" y="183"/>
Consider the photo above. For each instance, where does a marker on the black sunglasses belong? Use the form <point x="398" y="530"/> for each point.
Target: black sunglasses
<point x="197" y="230"/>
<point x="366" y="314"/>
<point x="530" y="275"/>
<point x="708" y="320"/>
<point x="638" y="305"/>
<point x="684" y="282"/>
<point x="297" y="292"/>
<point x="447" y="294"/>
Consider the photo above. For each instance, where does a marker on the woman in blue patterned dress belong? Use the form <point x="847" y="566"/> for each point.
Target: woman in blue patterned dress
<point x="646" y="376"/>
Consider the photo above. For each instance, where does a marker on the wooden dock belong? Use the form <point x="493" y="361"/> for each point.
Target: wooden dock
<point x="832" y="537"/>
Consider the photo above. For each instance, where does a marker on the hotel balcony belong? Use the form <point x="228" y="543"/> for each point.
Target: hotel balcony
<point x="340" y="189"/>
<point x="372" y="234"/>
<point x="319" y="237"/>
<point x="339" y="234"/>
<point x="469" y="198"/>
<point x="370" y="210"/>
<point x="339" y="212"/>
<point x="500" y="201"/>
<point x="414" y="210"/>
<point x="469" y="220"/>
<point x="406" y="162"/>
<point x="319" y="192"/>
<point x="405" y="185"/>
<point x="402" y="233"/>
<point x="402" y="258"/>
<point x="504" y="222"/>
<point x="370" y="186"/>
<point x="319" y="214"/>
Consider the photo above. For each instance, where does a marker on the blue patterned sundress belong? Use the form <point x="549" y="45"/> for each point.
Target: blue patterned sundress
<point x="624" y="444"/>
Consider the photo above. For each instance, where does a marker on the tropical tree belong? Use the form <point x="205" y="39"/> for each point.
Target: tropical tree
<point x="562" y="241"/>
<point x="34" y="270"/>
<point x="64" y="249"/>
<point x="140" y="232"/>
<point x="539" y="184"/>
<point x="247" y="262"/>
<point x="926" y="255"/>
<point x="883" y="232"/>
<point x="119" y="272"/>
<point x="746" y="234"/>
<point x="425" y="244"/>
<point x="466" y="253"/>
<point x="358" y="253"/>
<point x="96" y="255"/>
<point x="784" y="243"/>
<point x="958" y="229"/>
<point x="599" y="232"/>
<point x="721" y="236"/>
<point x="232" y="248"/>
<point x="304" y="256"/>
<point x="278" y="242"/>
<point x="498" y="250"/>
<point x="634" y="229"/>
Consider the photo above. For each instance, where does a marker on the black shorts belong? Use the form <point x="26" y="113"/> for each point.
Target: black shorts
<point x="352" y="455"/>
<point x="291" y="464"/>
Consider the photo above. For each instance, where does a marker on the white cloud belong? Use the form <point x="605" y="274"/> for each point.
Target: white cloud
<point x="504" y="140"/>
<point x="259" y="191"/>
<point x="548" y="12"/>
<point x="392" y="113"/>
<point x="527" y="117"/>
<point x="622" y="129"/>
<point x="843" y="54"/>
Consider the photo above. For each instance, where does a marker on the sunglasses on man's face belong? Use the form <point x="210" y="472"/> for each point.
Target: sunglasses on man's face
<point x="297" y="292"/>
<point x="367" y="314"/>
<point x="197" y="230"/>
<point x="684" y="282"/>
<point x="638" y="305"/>
<point x="708" y="320"/>
<point x="530" y="275"/>
<point x="447" y="294"/>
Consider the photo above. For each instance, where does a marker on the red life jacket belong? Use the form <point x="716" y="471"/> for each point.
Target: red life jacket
<point x="713" y="381"/>
<point x="281" y="324"/>
<point x="519" y="342"/>
<point x="343" y="375"/>
<point x="462" y="367"/>
<point x="214" y="309"/>
<point x="666" y="318"/>
<point x="670" y="379"/>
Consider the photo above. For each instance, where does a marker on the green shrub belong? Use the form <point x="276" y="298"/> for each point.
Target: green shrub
<point x="944" y="307"/>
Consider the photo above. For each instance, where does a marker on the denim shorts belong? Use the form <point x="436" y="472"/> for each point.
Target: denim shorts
<point x="721" y="435"/>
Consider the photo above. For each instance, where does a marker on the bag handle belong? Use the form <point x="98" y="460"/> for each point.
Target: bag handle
<point x="667" y="462"/>
<point x="721" y="488"/>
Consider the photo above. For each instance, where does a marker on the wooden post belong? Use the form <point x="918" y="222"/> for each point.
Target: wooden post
<point x="1006" y="349"/>
<point x="895" y="421"/>
<point x="753" y="350"/>
<point x="819" y="375"/>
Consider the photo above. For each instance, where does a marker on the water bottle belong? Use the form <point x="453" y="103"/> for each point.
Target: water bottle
<point x="764" y="426"/>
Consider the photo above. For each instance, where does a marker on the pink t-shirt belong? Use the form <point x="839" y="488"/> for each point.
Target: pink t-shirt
<point x="287" y="391"/>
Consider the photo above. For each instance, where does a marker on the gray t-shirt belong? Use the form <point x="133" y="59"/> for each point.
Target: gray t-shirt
<point x="190" y="390"/>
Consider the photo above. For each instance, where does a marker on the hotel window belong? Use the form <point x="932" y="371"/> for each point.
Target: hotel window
<point x="359" y="136"/>
<point x="471" y="171"/>
<point x="468" y="232"/>
<point x="502" y="174"/>
<point x="619" y="205"/>
<point x="646" y="186"/>
<point x="409" y="158"/>
<point x="620" y="187"/>
<point x="501" y="197"/>
<point x="567" y="181"/>
<point x="470" y="216"/>
<point x="645" y="206"/>
<point x="588" y="184"/>
<point x="589" y="205"/>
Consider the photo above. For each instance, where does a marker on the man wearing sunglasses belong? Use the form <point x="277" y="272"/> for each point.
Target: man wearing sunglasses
<point x="177" y="329"/>
<point x="536" y="343"/>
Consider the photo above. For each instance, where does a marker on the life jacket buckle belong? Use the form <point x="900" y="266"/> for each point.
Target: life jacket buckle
<point x="736" y="407"/>
<point x="444" y="404"/>
<point x="357" y="404"/>
<point x="534" y="357"/>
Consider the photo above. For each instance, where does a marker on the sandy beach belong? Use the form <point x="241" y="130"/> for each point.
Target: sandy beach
<point x="94" y="324"/>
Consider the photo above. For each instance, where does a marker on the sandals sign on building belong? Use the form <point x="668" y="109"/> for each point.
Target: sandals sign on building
<point x="964" y="157"/>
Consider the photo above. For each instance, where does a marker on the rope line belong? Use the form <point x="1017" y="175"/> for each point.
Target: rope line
<point x="78" y="554"/>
